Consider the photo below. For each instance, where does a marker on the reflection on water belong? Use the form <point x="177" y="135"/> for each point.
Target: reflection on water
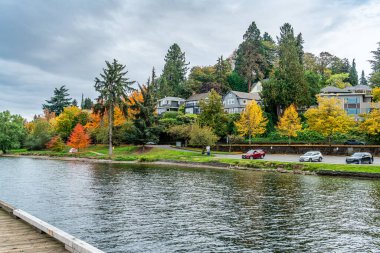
<point x="124" y="208"/>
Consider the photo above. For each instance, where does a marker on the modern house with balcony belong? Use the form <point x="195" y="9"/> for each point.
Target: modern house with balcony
<point x="356" y="100"/>
<point x="168" y="104"/>
<point x="235" y="101"/>
<point x="192" y="103"/>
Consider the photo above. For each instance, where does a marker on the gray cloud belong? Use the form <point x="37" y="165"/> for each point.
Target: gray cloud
<point x="45" y="44"/>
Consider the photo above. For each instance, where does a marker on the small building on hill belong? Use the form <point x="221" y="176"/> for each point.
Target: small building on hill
<point x="168" y="104"/>
<point x="235" y="101"/>
<point x="356" y="100"/>
<point x="192" y="103"/>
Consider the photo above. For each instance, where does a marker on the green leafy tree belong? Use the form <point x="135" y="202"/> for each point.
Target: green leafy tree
<point x="173" y="77"/>
<point x="339" y="66"/>
<point x="250" y="62"/>
<point x="339" y="80"/>
<point x="40" y="132"/>
<point x="200" y="77"/>
<point x="145" y="124"/>
<point x="12" y="131"/>
<point x="68" y="119"/>
<point x="58" y="101"/>
<point x="113" y="86"/>
<point x="353" y="75"/>
<point x="180" y="132"/>
<point x="212" y="113"/>
<point x="202" y="136"/>
<point x="363" y="79"/>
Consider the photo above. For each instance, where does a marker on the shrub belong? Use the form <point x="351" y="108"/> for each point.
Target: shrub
<point x="56" y="144"/>
<point x="309" y="136"/>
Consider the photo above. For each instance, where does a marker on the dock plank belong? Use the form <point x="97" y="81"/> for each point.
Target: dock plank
<point x="17" y="236"/>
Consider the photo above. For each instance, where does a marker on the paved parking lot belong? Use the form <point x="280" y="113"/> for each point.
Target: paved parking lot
<point x="294" y="158"/>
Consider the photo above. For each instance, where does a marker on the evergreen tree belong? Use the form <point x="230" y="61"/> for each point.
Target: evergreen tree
<point x="173" y="77"/>
<point x="250" y="61"/>
<point x="58" y="101"/>
<point x="87" y="104"/>
<point x="375" y="65"/>
<point x="288" y="84"/>
<point x="363" y="80"/>
<point x="236" y="82"/>
<point x="113" y="87"/>
<point x="353" y="77"/>
<point x="222" y="71"/>
<point x="145" y="128"/>
<point x="74" y="103"/>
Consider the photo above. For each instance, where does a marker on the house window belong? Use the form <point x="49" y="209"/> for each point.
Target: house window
<point x="244" y="101"/>
<point x="231" y="101"/>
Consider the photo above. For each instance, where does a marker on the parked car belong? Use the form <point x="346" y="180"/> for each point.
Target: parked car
<point x="150" y="143"/>
<point x="354" y="142"/>
<point x="360" y="157"/>
<point x="254" y="154"/>
<point x="311" y="156"/>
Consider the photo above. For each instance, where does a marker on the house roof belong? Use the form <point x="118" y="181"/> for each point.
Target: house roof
<point x="246" y="95"/>
<point x="197" y="97"/>
<point x="359" y="88"/>
<point x="332" y="89"/>
<point x="172" y="98"/>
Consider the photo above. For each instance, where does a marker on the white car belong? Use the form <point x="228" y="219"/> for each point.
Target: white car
<point x="311" y="156"/>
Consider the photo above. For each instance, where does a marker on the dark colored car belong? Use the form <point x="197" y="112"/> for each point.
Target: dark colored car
<point x="254" y="154"/>
<point x="360" y="157"/>
<point x="354" y="142"/>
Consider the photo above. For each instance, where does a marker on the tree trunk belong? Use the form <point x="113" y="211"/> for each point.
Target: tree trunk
<point x="278" y="111"/>
<point x="143" y="148"/>
<point x="249" y="139"/>
<point x="289" y="139"/>
<point x="249" y="85"/>
<point x="110" y="125"/>
<point x="4" y="151"/>
<point x="203" y="150"/>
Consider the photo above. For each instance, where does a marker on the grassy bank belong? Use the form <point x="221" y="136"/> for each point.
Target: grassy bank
<point x="133" y="153"/>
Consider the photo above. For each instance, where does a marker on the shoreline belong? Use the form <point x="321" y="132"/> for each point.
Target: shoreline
<point x="207" y="165"/>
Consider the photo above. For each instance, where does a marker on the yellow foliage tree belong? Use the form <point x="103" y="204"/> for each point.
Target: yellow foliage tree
<point x="135" y="96"/>
<point x="329" y="117"/>
<point x="376" y="94"/>
<point x="290" y="123"/>
<point x="252" y="122"/>
<point x="371" y="123"/>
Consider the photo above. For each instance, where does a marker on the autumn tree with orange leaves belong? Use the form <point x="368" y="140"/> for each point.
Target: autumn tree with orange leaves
<point x="79" y="138"/>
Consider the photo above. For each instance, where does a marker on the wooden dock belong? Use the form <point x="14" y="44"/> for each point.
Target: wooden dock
<point x="22" y="232"/>
<point x="17" y="236"/>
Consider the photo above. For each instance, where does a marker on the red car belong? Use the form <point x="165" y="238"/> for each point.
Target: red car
<point x="254" y="154"/>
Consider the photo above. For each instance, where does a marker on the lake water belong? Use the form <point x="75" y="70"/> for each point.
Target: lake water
<point x="125" y="208"/>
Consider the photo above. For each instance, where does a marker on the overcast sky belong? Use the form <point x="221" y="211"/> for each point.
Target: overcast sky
<point x="46" y="44"/>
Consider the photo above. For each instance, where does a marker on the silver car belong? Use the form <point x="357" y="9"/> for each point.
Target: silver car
<point x="311" y="156"/>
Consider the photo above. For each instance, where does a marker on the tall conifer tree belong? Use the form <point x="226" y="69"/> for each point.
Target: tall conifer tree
<point x="363" y="79"/>
<point x="353" y="77"/>
<point x="173" y="77"/>
<point x="58" y="101"/>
